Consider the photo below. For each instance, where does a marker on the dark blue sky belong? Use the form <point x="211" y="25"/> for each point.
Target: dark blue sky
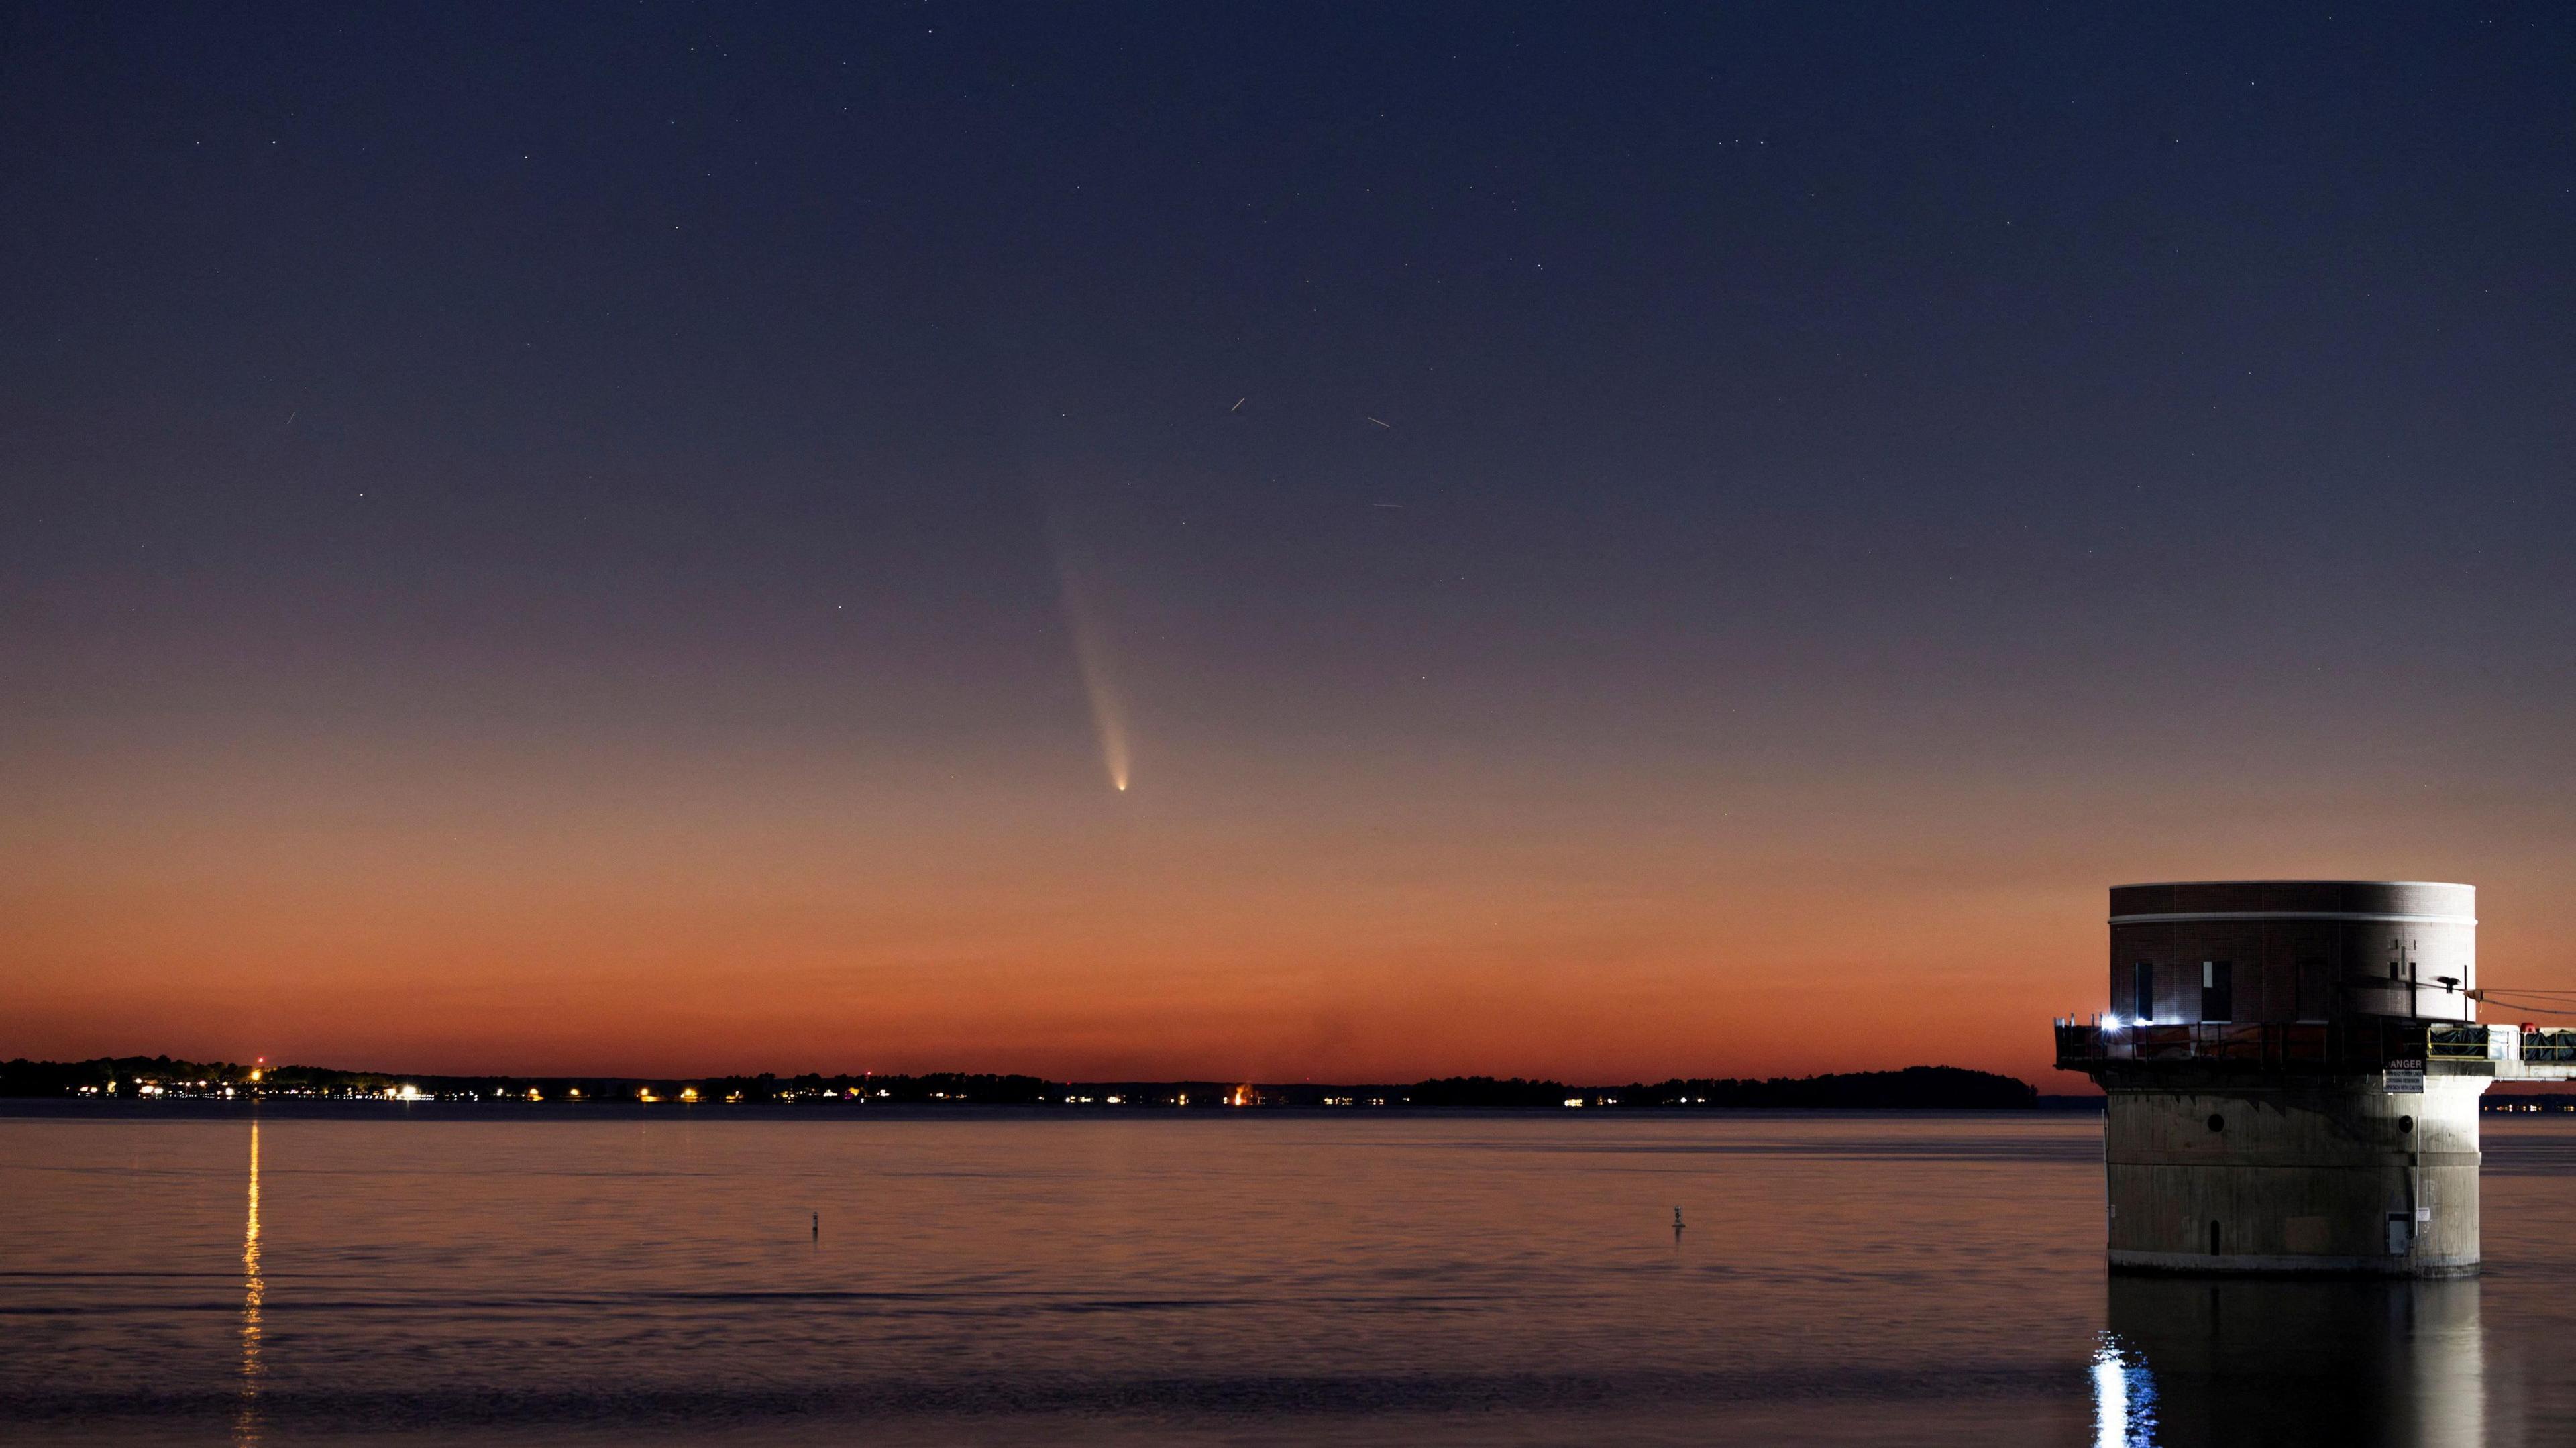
<point x="1783" y="405"/>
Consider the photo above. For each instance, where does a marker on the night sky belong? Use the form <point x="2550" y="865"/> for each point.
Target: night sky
<point x="1606" y="542"/>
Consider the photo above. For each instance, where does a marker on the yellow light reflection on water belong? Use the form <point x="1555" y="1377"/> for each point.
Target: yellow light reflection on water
<point x="254" y="1287"/>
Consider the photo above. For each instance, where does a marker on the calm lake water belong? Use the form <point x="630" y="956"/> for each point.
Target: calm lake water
<point x="586" y="1276"/>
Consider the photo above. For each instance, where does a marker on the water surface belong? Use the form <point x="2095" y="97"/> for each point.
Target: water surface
<point x="585" y="1275"/>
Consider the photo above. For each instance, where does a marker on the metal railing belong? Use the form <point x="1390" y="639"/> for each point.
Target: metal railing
<point x="2552" y="1047"/>
<point x="2458" y="1043"/>
<point x="2353" y="1043"/>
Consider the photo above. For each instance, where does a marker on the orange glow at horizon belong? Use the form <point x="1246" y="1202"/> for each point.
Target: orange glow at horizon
<point x="1602" y="928"/>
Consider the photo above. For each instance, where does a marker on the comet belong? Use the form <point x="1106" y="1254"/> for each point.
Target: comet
<point x="1091" y="656"/>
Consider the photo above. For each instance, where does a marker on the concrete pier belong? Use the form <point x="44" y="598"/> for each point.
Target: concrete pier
<point x="2324" y="1176"/>
<point x="2293" y="1086"/>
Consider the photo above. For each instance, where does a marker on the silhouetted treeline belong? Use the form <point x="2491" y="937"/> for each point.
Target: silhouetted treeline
<point x="1932" y="1087"/>
<point x="974" y="1088"/>
<point x="1487" y="1092"/>
<point x="1927" y="1087"/>
<point x="57" y="1078"/>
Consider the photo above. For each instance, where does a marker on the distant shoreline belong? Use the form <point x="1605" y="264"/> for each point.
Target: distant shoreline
<point x="160" y="1078"/>
<point x="62" y="1109"/>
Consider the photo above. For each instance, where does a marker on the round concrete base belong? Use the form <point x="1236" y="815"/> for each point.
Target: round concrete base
<point x="2316" y="1176"/>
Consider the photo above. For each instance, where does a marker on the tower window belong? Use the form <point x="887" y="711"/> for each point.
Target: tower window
<point x="2217" y="990"/>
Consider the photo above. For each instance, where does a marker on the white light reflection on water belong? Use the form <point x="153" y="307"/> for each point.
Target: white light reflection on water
<point x="254" y="1287"/>
<point x="2124" y="1399"/>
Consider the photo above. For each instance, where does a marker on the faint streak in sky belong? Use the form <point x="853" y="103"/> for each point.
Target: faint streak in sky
<point x="1084" y="620"/>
